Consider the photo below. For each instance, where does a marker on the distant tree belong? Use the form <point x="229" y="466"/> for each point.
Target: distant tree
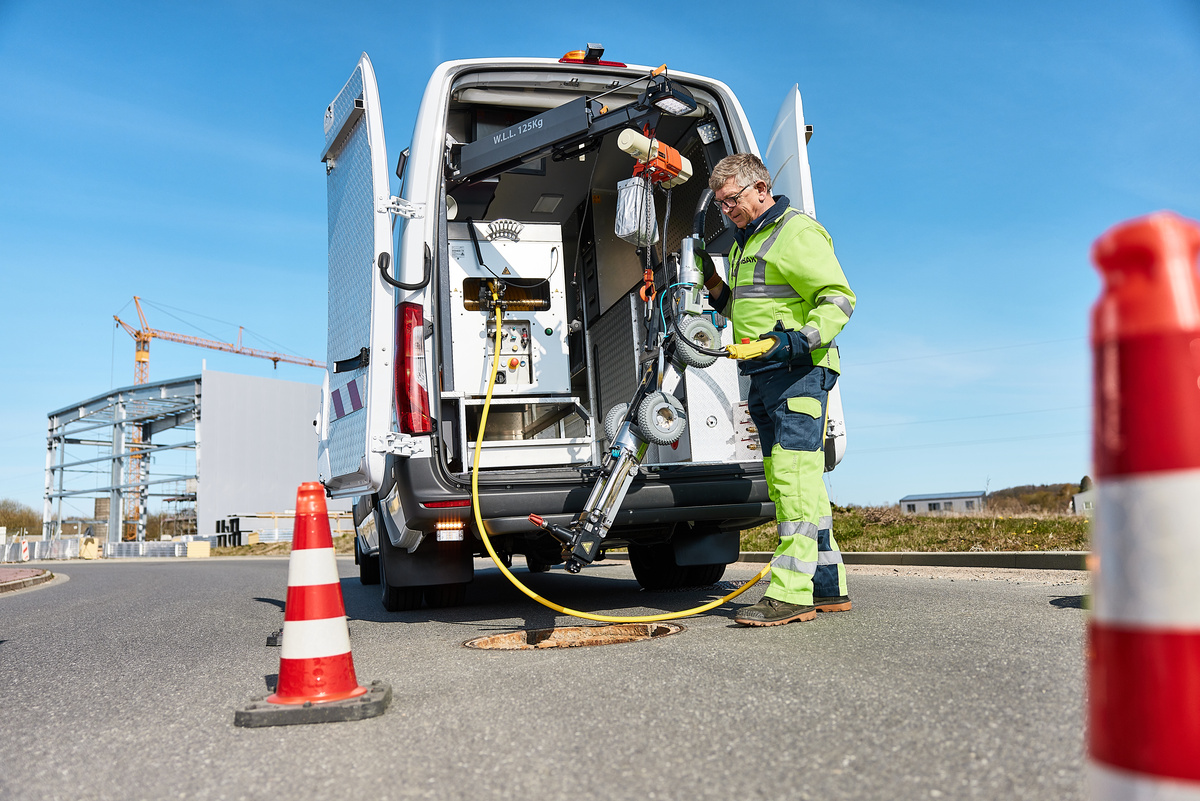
<point x="16" y="516"/>
<point x="1085" y="484"/>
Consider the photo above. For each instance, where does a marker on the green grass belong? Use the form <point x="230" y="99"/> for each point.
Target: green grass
<point x="341" y="545"/>
<point x="875" y="528"/>
<point x="884" y="528"/>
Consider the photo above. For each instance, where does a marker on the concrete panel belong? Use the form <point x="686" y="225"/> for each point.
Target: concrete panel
<point x="256" y="445"/>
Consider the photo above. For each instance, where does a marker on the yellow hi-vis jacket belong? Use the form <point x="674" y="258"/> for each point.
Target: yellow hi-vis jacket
<point x="787" y="272"/>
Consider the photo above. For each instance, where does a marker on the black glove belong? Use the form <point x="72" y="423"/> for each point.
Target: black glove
<point x="789" y="346"/>
<point x="707" y="266"/>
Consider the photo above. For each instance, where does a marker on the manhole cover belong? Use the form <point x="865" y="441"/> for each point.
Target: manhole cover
<point x="574" y="636"/>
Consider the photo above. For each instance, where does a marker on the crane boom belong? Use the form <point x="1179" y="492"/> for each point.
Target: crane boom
<point x="142" y="336"/>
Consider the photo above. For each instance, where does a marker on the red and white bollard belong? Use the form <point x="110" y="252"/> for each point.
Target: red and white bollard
<point x="24" y="550"/>
<point x="1144" y="634"/>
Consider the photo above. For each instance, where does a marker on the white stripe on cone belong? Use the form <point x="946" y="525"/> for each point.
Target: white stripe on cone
<point x="314" y="639"/>
<point x="1147" y="536"/>
<point x="1105" y="784"/>
<point x="312" y="566"/>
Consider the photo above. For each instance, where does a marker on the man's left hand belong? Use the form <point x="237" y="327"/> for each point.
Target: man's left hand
<point x="788" y="345"/>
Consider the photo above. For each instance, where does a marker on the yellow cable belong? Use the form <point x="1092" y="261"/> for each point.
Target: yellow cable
<point x="487" y="542"/>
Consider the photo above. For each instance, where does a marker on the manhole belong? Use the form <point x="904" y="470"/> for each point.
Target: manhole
<point x="574" y="636"/>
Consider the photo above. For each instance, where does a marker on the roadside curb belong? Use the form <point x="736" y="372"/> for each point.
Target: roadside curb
<point x="12" y="579"/>
<point x="1017" y="560"/>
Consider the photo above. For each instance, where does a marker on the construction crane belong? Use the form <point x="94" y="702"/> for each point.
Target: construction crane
<point x="142" y="336"/>
<point x="141" y="375"/>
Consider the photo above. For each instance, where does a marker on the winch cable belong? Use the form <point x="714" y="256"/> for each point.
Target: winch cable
<point x="487" y="542"/>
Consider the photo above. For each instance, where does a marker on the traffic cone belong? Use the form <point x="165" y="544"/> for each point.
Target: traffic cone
<point x="316" y="682"/>
<point x="1144" y="633"/>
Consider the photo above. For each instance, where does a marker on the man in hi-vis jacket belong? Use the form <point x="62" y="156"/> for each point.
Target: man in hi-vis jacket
<point x="785" y="284"/>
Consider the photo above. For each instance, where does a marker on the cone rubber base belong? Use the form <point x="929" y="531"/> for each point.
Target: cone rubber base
<point x="261" y="713"/>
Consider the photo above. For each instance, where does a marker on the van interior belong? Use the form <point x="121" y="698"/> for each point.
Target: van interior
<point x="571" y="202"/>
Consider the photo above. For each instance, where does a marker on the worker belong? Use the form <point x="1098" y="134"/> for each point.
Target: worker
<point x="786" y="285"/>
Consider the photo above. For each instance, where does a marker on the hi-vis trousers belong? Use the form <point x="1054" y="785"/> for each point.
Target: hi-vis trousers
<point x="788" y="407"/>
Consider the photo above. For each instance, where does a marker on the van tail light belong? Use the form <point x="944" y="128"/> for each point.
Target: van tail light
<point x="412" y="395"/>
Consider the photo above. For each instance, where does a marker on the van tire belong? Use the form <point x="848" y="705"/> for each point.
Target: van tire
<point x="704" y="575"/>
<point x="368" y="565"/>
<point x="654" y="567"/>
<point x="535" y="565"/>
<point x="440" y="596"/>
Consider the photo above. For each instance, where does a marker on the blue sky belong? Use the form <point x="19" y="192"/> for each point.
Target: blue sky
<point x="965" y="157"/>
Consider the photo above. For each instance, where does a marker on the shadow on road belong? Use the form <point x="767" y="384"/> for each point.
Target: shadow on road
<point x="491" y="597"/>
<point x="1070" y="602"/>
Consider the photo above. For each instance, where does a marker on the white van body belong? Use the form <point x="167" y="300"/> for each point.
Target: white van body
<point x="410" y="342"/>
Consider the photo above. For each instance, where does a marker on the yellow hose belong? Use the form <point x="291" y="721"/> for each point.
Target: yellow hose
<point x="487" y="542"/>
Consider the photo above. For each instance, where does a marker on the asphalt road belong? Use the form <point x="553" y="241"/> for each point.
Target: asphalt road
<point x="121" y="683"/>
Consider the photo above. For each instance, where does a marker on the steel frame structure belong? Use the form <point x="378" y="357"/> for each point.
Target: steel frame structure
<point x="120" y="425"/>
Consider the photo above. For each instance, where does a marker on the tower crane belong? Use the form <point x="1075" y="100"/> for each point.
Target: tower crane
<point x="141" y="375"/>
<point x="142" y="336"/>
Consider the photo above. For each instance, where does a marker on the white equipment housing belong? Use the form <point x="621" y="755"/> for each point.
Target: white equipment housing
<point x="529" y="258"/>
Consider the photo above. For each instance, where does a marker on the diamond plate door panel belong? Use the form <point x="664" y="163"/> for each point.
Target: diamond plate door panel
<point x="361" y="315"/>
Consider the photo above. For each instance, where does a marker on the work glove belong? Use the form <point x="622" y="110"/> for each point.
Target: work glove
<point x="707" y="266"/>
<point x="788" y="346"/>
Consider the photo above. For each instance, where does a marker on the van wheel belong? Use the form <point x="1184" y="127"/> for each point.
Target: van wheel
<point x="368" y="566"/>
<point x="442" y="595"/>
<point x="395" y="599"/>
<point x="535" y="565"/>
<point x="654" y="567"/>
<point x="703" y="575"/>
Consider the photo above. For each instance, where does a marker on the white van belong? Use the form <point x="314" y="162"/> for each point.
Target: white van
<point x="511" y="181"/>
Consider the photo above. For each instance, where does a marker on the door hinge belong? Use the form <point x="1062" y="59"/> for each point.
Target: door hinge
<point x="401" y="207"/>
<point x="395" y="443"/>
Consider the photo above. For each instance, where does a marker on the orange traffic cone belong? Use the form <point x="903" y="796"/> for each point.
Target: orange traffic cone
<point x="1144" y="635"/>
<point x="316" y="682"/>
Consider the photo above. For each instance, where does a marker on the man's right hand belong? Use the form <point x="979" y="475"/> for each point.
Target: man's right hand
<point x="707" y="266"/>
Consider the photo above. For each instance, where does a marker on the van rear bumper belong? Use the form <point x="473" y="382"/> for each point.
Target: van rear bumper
<point x="734" y="496"/>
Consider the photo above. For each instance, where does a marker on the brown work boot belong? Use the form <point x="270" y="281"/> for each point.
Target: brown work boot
<point x="772" y="612"/>
<point x="834" y="603"/>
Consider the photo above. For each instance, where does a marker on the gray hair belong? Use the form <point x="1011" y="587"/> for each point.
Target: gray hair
<point x="746" y="168"/>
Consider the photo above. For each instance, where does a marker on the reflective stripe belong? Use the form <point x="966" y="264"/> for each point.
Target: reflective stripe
<point x="760" y="269"/>
<point x="1147" y="537"/>
<point x="812" y="335"/>
<point x="765" y="291"/>
<point x="1111" y="785"/>
<point x="311" y="639"/>
<point x="792" y="528"/>
<point x="312" y="566"/>
<point x="795" y="565"/>
<point x="841" y="301"/>
<point x="829" y="558"/>
<point x="825" y="523"/>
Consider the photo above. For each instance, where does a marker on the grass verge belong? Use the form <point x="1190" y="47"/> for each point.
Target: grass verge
<point x="341" y="545"/>
<point x="884" y="528"/>
<point x="871" y="528"/>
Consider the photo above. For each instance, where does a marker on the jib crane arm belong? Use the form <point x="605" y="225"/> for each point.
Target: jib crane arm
<point x="568" y="130"/>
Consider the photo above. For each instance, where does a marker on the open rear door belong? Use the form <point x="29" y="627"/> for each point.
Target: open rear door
<point x="787" y="154"/>
<point x="357" y="410"/>
<point x="787" y="160"/>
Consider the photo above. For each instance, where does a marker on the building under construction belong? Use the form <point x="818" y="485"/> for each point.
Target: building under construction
<point x="199" y="449"/>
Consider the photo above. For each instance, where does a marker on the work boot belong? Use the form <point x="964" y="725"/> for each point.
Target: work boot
<point x="772" y="612"/>
<point x="834" y="603"/>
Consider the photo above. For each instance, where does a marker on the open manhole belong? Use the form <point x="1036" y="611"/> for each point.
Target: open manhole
<point x="574" y="636"/>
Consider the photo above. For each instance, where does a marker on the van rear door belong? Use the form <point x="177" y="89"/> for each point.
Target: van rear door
<point x="357" y="411"/>
<point x="786" y="159"/>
